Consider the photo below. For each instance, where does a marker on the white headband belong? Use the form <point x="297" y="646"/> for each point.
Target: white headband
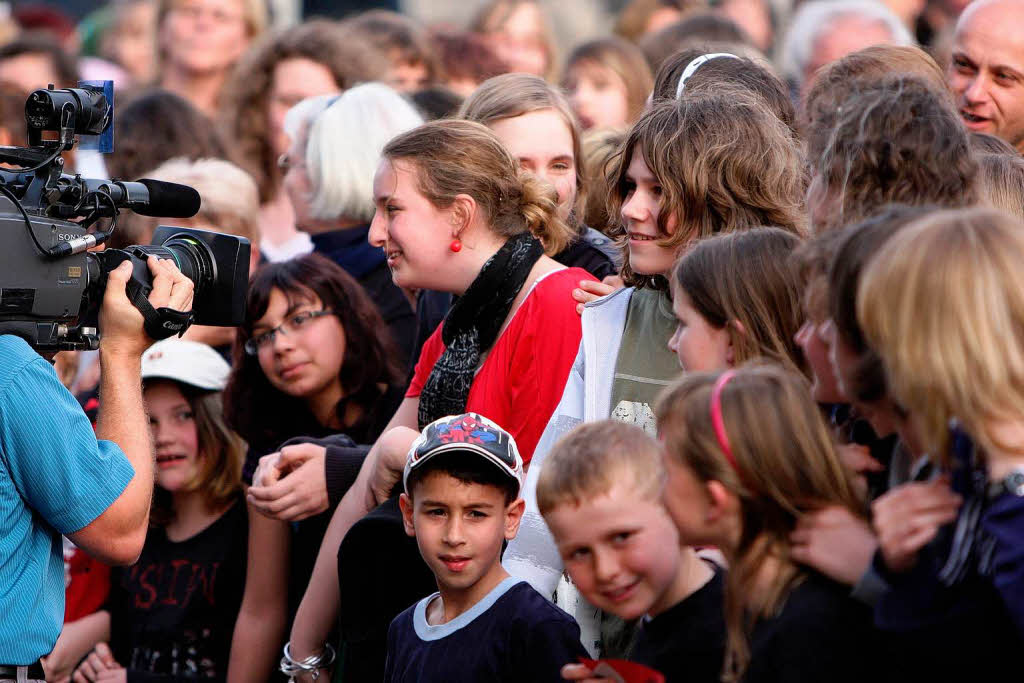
<point x="692" y="67"/>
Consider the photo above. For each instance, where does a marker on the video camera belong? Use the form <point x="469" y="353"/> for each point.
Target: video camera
<point x="51" y="287"/>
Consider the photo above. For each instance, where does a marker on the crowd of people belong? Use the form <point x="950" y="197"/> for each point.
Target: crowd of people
<point x="690" y="352"/>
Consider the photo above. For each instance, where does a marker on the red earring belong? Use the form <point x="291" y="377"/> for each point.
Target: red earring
<point x="456" y="245"/>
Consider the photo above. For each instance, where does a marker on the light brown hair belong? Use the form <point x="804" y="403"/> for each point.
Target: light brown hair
<point x="898" y="141"/>
<point x="696" y="28"/>
<point x="725" y="163"/>
<point x="624" y="59"/>
<point x="953" y="276"/>
<point x="593" y="458"/>
<point x="492" y="18"/>
<point x="400" y="39"/>
<point x="510" y="95"/>
<point x="221" y="456"/>
<point x="749" y="284"/>
<point x="599" y="150"/>
<point x="786" y="465"/>
<point x="454" y="157"/>
<point x="1001" y="182"/>
<point x="244" y="114"/>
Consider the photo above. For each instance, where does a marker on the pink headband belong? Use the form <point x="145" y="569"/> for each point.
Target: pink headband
<point x="718" y="423"/>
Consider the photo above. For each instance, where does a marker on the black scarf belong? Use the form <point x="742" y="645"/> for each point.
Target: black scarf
<point x="472" y="326"/>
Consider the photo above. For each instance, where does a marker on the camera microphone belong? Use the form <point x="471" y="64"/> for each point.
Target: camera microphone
<point x="155" y="198"/>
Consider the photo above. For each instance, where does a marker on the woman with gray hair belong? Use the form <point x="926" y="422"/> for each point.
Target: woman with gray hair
<point x="336" y="141"/>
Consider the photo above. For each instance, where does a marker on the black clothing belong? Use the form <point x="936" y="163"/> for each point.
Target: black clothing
<point x="350" y="249"/>
<point x="513" y="634"/>
<point x="373" y="593"/>
<point x="687" y="641"/>
<point x="593" y="252"/>
<point x="172" y="614"/>
<point x="820" y="634"/>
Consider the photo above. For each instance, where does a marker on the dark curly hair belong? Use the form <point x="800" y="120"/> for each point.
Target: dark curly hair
<point x="244" y="115"/>
<point x="899" y="141"/>
<point x="263" y="415"/>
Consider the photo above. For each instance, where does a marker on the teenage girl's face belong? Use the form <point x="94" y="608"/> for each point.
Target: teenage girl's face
<point x="304" y="358"/>
<point x="598" y="96"/>
<point x="415" y="235"/>
<point x="176" y="440"/>
<point x="621" y="550"/>
<point x="701" y="346"/>
<point x="687" y="502"/>
<point x="542" y="143"/>
<point x="639" y="214"/>
<point x="825" y="387"/>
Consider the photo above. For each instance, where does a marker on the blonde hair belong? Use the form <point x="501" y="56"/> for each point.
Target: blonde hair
<point x="454" y="157"/>
<point x="624" y="59"/>
<point x="1001" y="182"/>
<point x="785" y="464"/>
<point x="943" y="305"/>
<point x="749" y="284"/>
<point x="230" y="200"/>
<point x="591" y="459"/>
<point x="725" y="163"/>
<point x="511" y="95"/>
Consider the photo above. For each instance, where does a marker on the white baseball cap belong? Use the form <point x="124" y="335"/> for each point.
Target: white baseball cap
<point x="187" y="362"/>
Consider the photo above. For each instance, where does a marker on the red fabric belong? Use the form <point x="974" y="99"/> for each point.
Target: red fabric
<point x="87" y="583"/>
<point x="523" y="377"/>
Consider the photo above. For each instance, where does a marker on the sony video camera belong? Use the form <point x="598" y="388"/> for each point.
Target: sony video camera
<point x="51" y="287"/>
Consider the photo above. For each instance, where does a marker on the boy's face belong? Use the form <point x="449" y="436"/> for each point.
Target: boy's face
<point x="621" y="549"/>
<point x="459" y="527"/>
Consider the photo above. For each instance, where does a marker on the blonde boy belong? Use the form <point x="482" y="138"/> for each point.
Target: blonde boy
<point x="600" y="492"/>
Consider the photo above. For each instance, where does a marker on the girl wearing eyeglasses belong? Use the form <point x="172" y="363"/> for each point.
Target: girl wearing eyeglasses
<point x="313" y="358"/>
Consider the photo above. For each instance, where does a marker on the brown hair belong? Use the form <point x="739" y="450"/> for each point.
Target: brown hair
<point x="835" y="82"/>
<point x="749" y="284"/>
<point x="599" y="150"/>
<point x="221" y="451"/>
<point x="624" y="59"/>
<point x="786" y="465"/>
<point x="897" y="141"/>
<point x="454" y="157"/>
<point x="399" y="38"/>
<point x="744" y="72"/>
<point x="244" y="114"/>
<point x="697" y="28"/>
<point x="635" y="17"/>
<point x="465" y="56"/>
<point x="1001" y="182"/>
<point x="943" y="304"/>
<point x="855" y="247"/>
<point x="592" y="458"/>
<point x="725" y="163"/>
<point x="511" y="95"/>
<point x="493" y="16"/>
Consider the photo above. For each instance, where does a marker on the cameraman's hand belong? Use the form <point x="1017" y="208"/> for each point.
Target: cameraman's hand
<point x="121" y="324"/>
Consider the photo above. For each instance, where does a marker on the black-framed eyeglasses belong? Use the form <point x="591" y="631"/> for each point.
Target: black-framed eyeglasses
<point x="292" y="325"/>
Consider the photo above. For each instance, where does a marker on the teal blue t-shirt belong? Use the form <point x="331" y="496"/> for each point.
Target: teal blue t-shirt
<point x="55" y="478"/>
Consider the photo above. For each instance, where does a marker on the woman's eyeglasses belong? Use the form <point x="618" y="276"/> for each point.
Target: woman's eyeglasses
<point x="289" y="327"/>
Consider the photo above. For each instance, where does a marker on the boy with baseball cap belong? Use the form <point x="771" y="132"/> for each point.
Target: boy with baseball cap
<point x="462" y="482"/>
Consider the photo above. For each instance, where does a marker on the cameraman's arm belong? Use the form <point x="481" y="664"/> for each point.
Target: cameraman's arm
<point x="117" y="535"/>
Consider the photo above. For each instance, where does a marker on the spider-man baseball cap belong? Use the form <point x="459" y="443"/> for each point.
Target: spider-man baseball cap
<point x="466" y="433"/>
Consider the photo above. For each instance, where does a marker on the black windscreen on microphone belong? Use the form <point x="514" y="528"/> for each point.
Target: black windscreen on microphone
<point x="168" y="200"/>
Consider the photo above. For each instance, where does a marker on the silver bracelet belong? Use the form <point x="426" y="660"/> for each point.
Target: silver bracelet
<point x="311" y="665"/>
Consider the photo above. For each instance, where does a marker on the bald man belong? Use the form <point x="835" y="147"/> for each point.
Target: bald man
<point x="986" y="72"/>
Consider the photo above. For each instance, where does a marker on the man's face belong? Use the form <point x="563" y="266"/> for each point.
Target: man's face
<point x="986" y="72"/>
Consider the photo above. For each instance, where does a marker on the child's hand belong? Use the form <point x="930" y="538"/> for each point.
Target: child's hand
<point x="392" y="451"/>
<point x="291" y="485"/>
<point x="579" y="672"/>
<point x="834" y="542"/>
<point x="908" y="518"/>
<point x="590" y="290"/>
<point x="100" y="660"/>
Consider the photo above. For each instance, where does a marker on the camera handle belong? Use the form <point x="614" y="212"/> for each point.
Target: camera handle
<point x="159" y="323"/>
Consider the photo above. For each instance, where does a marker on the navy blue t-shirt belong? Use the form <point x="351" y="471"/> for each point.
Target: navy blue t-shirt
<point x="512" y="634"/>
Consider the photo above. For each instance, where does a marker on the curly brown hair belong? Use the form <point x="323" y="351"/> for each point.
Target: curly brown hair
<point x="898" y="141"/>
<point x="244" y="114"/>
<point x="725" y="163"/>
